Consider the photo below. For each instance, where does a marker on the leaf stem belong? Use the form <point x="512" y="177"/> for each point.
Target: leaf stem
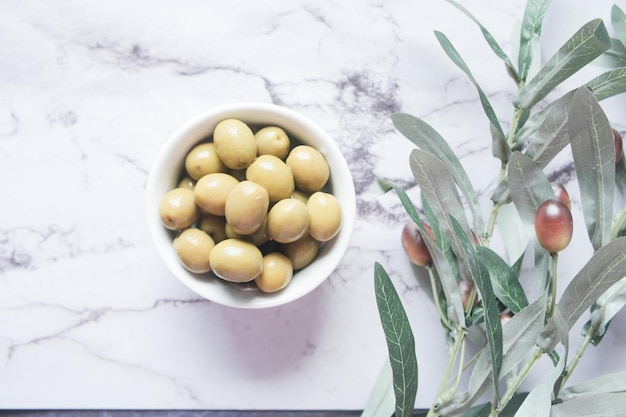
<point x="619" y="223"/>
<point x="446" y="391"/>
<point x="517" y="114"/>
<point x="554" y="257"/>
<point x="434" y="286"/>
<point x="492" y="222"/>
<point x="512" y="389"/>
<point x="591" y="333"/>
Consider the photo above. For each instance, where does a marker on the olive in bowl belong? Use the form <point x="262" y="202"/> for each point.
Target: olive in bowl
<point x="169" y="172"/>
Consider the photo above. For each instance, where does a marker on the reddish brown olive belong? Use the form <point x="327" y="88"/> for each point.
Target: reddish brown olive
<point x="414" y="244"/>
<point x="466" y="286"/>
<point x="505" y="316"/>
<point x="561" y="194"/>
<point x="619" y="150"/>
<point x="554" y="225"/>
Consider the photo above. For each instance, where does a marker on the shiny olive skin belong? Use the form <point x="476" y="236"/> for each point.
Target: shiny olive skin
<point x="554" y="225"/>
<point x="212" y="190"/>
<point x="187" y="182"/>
<point x="288" y="220"/>
<point x="561" y="194"/>
<point x="246" y="207"/>
<point x="203" y="159"/>
<point x="236" y="261"/>
<point x="414" y="245"/>
<point x="178" y="209"/>
<point x="272" y="140"/>
<point x="214" y="226"/>
<point x="193" y="248"/>
<point x="324" y="216"/>
<point x="277" y="273"/>
<point x="309" y="168"/>
<point x="301" y="252"/>
<point x="257" y="238"/>
<point x="274" y="175"/>
<point x="234" y="143"/>
<point x="619" y="146"/>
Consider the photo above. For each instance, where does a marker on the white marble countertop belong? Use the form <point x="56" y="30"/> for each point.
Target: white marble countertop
<point x="89" y="91"/>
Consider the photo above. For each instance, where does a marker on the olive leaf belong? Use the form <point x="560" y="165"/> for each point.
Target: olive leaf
<point x="552" y="136"/>
<point x="480" y="276"/>
<point x="605" y="268"/>
<point x="482" y="410"/>
<point x="496" y="130"/>
<point x="591" y="139"/>
<point x="518" y="337"/>
<point x="504" y="279"/>
<point x="439" y="189"/>
<point x="601" y="404"/>
<point x="530" y="34"/>
<point x="381" y="402"/>
<point x="400" y="342"/>
<point x="429" y="140"/>
<point x="529" y="186"/>
<point x="583" y="47"/>
<point x="607" y="306"/>
<point x="605" y="384"/>
<point x="618" y="21"/>
<point x="493" y="44"/>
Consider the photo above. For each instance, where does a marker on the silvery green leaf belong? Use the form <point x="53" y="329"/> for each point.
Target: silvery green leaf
<point x="400" y="342"/>
<point x="530" y="34"/>
<point x="608" y="305"/>
<point x="439" y="189"/>
<point x="504" y="279"/>
<point x="381" y="402"/>
<point x="495" y="128"/>
<point x="582" y="48"/>
<point x="614" y="57"/>
<point x="618" y="21"/>
<point x="592" y="405"/>
<point x="482" y="410"/>
<point x="493" y="44"/>
<point x="480" y="276"/>
<point x="608" y="84"/>
<point x="404" y="199"/>
<point x="449" y="284"/>
<point x="605" y="268"/>
<point x="552" y="135"/>
<point x="529" y="186"/>
<point x="518" y="337"/>
<point x="609" y="383"/>
<point x="515" y="236"/>
<point x="429" y="140"/>
<point x="593" y="152"/>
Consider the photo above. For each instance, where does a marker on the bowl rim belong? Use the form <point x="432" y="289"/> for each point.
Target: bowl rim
<point x="198" y="128"/>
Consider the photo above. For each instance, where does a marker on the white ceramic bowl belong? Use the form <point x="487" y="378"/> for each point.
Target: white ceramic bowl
<point x="166" y="172"/>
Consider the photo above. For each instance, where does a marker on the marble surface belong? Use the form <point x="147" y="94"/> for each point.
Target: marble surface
<point x="89" y="91"/>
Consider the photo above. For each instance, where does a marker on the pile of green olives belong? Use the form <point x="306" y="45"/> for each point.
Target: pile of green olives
<point x="251" y="206"/>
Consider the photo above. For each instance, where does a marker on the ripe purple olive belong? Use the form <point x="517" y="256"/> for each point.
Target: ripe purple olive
<point x="553" y="225"/>
<point x="414" y="244"/>
<point x="561" y="194"/>
<point x="617" y="139"/>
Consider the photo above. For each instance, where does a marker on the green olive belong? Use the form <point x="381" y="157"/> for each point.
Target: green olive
<point x="301" y="252"/>
<point x="277" y="273"/>
<point x="257" y="238"/>
<point x="246" y="207"/>
<point x="212" y="190"/>
<point x="301" y="195"/>
<point x="309" y="168"/>
<point x="236" y="261"/>
<point x="214" y="226"/>
<point x="193" y="248"/>
<point x="325" y="216"/>
<point x="187" y="182"/>
<point x="202" y="160"/>
<point x="272" y="140"/>
<point x="287" y="220"/>
<point x="273" y="174"/>
<point x="178" y="210"/>
<point x="235" y="143"/>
